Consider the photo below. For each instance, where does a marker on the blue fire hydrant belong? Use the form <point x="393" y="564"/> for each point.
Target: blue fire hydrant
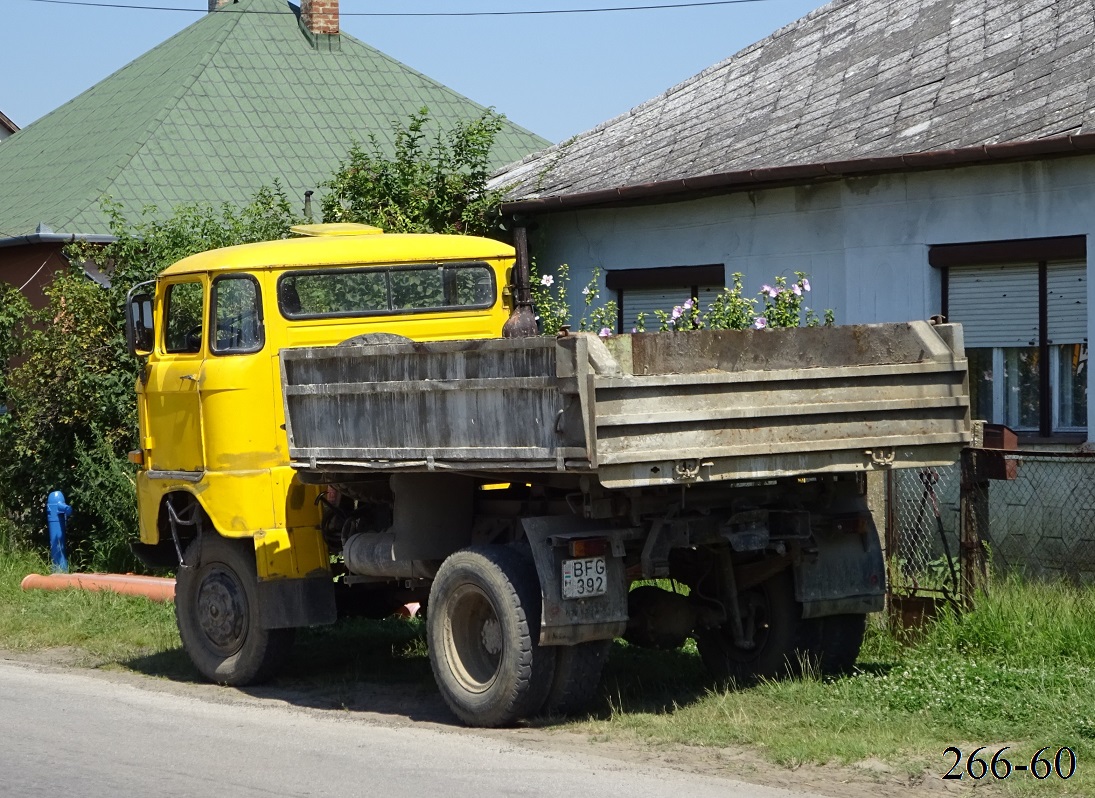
<point x="57" y="511"/>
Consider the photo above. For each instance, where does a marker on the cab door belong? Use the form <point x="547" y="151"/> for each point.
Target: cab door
<point x="237" y="391"/>
<point x="172" y="393"/>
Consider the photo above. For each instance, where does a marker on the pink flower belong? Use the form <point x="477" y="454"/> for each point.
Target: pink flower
<point x="760" y="322"/>
<point x="605" y="332"/>
<point x="688" y="305"/>
<point x="676" y="314"/>
<point x="547" y="280"/>
<point x="805" y="284"/>
<point x="796" y="290"/>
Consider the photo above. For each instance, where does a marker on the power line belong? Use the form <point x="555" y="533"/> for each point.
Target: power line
<point x="533" y="12"/>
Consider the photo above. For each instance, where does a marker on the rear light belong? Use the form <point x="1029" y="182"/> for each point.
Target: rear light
<point x="136" y="457"/>
<point x="855" y="524"/>
<point x="589" y="547"/>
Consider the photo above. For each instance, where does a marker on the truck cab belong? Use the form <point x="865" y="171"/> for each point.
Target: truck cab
<point x="213" y="460"/>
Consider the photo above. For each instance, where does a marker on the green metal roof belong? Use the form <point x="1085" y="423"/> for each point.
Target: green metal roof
<point x="227" y="105"/>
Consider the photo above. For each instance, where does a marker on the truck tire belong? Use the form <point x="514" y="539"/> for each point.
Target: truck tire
<point x="217" y="613"/>
<point x="773" y="621"/>
<point x="577" y="677"/>
<point x="834" y="642"/>
<point x="483" y="631"/>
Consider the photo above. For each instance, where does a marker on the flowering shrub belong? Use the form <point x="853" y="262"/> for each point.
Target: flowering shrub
<point x="783" y="303"/>
<point x="682" y="317"/>
<point x="730" y="310"/>
<point x="780" y="305"/>
<point x="600" y="317"/>
<point x="549" y="298"/>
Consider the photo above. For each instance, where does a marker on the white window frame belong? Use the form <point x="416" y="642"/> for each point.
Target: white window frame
<point x="1000" y="398"/>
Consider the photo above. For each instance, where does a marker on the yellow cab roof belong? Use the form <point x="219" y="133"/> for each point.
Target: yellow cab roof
<point x="339" y="245"/>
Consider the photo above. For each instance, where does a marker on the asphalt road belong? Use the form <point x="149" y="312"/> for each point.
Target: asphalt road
<point x="67" y="733"/>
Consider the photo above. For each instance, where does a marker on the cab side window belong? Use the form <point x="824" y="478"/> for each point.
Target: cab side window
<point x="473" y="285"/>
<point x="417" y="289"/>
<point x="391" y="290"/>
<point x="237" y="314"/>
<point x="183" y="331"/>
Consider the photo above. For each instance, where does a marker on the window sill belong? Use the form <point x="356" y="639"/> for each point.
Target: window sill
<point x="1070" y="441"/>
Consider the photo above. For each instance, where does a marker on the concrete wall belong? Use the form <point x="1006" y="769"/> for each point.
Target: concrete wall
<point x="864" y="242"/>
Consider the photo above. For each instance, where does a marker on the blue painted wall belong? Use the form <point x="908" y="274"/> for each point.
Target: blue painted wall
<point x="863" y="241"/>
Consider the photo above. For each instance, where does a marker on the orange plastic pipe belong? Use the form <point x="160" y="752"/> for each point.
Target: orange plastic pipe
<point x="155" y="588"/>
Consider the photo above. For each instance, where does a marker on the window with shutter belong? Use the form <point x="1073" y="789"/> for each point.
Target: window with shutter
<point x="641" y="292"/>
<point x="646" y="301"/>
<point x="1024" y="318"/>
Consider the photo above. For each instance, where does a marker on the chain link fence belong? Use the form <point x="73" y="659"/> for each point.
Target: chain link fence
<point x="1036" y="514"/>
<point x="1027" y="512"/>
<point x="923" y="526"/>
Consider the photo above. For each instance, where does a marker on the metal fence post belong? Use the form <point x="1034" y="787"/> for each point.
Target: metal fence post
<point x="890" y="540"/>
<point x="974" y="501"/>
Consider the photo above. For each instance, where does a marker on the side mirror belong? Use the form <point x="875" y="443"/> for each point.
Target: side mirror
<point x="140" y="332"/>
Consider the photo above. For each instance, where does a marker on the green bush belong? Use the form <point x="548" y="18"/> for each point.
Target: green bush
<point x="70" y="393"/>
<point x="67" y="382"/>
<point x="437" y="186"/>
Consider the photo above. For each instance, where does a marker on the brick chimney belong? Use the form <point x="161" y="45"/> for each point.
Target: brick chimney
<point x="215" y="4"/>
<point x="319" y="21"/>
<point x="320" y="16"/>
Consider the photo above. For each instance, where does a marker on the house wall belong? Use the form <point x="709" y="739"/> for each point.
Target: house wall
<point x="864" y="241"/>
<point x="31" y="267"/>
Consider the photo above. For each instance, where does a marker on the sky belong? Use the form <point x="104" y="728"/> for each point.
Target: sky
<point x="556" y="75"/>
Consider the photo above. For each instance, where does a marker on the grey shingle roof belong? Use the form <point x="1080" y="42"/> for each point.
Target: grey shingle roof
<point x="855" y="79"/>
<point x="227" y="105"/>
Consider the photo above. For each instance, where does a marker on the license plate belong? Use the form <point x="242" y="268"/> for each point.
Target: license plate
<point x="584" y="578"/>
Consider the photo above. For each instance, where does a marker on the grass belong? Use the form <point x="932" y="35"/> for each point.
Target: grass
<point x="133" y="632"/>
<point x="104" y="627"/>
<point x="1018" y="671"/>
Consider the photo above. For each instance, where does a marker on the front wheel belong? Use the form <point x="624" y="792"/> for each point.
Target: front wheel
<point x="772" y="621"/>
<point x="483" y="630"/>
<point x="217" y="612"/>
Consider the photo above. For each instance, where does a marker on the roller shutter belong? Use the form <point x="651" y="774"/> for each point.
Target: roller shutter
<point x="634" y="301"/>
<point x="998" y="305"/>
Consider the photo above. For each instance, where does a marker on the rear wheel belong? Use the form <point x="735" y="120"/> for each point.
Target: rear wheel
<point x="772" y="620"/>
<point x="577" y="676"/>
<point x="483" y="630"/>
<point x="217" y="613"/>
<point x="834" y="642"/>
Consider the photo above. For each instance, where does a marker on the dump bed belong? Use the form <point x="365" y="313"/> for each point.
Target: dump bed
<point x="642" y="409"/>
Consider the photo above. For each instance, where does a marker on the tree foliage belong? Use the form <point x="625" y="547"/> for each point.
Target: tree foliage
<point x="70" y="394"/>
<point x="67" y="379"/>
<point x="431" y="184"/>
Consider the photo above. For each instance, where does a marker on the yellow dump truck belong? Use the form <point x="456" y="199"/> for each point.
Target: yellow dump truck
<point x="334" y="424"/>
